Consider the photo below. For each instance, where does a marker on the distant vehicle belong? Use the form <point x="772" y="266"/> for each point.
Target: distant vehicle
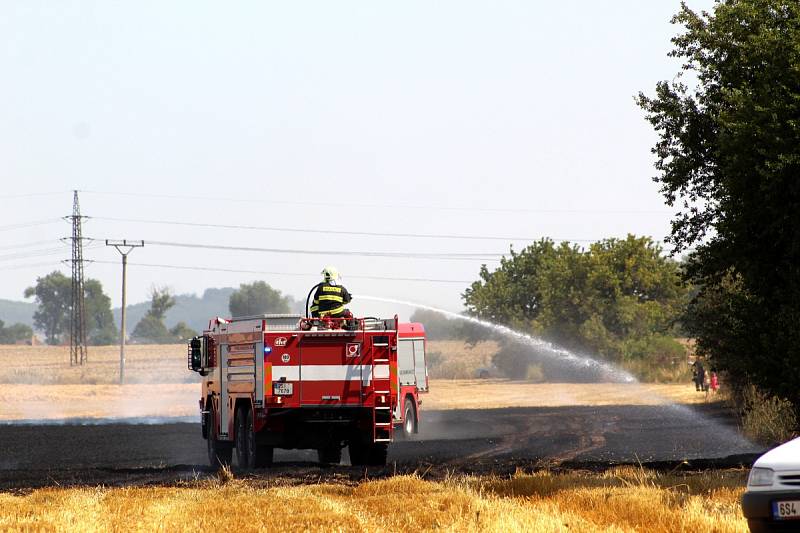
<point x="772" y="499"/>
<point x="486" y="372"/>
<point x="284" y="381"/>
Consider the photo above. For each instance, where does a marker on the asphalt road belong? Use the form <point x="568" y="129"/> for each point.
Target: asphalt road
<point x="470" y="441"/>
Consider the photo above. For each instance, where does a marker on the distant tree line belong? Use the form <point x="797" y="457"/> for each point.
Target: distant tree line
<point x="53" y="296"/>
<point x="15" y="333"/>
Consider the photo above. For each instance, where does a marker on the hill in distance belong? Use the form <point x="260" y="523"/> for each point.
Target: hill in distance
<point x="12" y="312"/>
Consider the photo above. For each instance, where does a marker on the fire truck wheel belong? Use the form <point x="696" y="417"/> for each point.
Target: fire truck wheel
<point x="376" y="454"/>
<point x="330" y="455"/>
<point x="258" y="456"/>
<point x="219" y="453"/>
<point x="409" y="419"/>
<point x="358" y="452"/>
<point x="241" y="439"/>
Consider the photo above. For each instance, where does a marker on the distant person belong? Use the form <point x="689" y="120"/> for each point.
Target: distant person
<point x="714" y="381"/>
<point x="330" y="297"/>
<point x="699" y="374"/>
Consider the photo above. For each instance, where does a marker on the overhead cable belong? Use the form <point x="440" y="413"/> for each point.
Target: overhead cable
<point x="28" y="265"/>
<point x="331" y="231"/>
<point x="365" y="253"/>
<point x="25" y="245"/>
<point x="29" y="224"/>
<point x="32" y="194"/>
<point x="263" y="272"/>
<point x="468" y="209"/>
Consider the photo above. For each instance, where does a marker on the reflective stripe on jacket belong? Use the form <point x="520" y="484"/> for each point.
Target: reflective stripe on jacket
<point x="329" y="300"/>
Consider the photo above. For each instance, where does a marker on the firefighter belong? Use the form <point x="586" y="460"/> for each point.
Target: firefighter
<point x="330" y="297"/>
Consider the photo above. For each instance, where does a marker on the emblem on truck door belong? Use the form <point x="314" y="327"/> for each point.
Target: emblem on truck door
<point x="353" y="348"/>
<point x="280" y="341"/>
<point x="285" y="358"/>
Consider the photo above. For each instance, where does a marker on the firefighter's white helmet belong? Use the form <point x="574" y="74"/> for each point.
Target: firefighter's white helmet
<point x="330" y="274"/>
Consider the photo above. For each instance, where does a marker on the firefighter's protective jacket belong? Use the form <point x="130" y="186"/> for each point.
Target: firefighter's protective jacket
<point x="329" y="300"/>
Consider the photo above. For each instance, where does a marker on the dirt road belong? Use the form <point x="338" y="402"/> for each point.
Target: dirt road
<point x="469" y="441"/>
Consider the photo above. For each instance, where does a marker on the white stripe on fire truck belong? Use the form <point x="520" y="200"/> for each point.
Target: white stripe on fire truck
<point x="327" y="372"/>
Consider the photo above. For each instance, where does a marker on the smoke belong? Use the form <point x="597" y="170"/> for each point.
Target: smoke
<point x="38" y="384"/>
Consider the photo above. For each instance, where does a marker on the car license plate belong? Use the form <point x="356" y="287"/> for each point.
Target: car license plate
<point x="282" y="389"/>
<point x="786" y="510"/>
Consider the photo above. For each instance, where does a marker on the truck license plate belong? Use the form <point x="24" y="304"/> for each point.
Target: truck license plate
<point x="786" y="510"/>
<point x="282" y="389"/>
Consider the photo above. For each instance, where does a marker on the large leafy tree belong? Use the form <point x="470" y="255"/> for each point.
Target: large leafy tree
<point x="619" y="299"/>
<point x="53" y="294"/>
<point x="728" y="156"/>
<point x="257" y="298"/>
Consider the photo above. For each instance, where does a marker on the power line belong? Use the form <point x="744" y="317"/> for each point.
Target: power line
<point x="22" y="225"/>
<point x="29" y="254"/>
<point x="332" y="232"/>
<point x="32" y="194"/>
<point x="32" y="253"/>
<point x="30" y="265"/>
<point x="264" y="272"/>
<point x="378" y="206"/>
<point x="396" y="255"/>
<point x="25" y="244"/>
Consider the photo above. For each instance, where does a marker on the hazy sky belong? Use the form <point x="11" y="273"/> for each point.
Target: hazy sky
<point x="501" y="119"/>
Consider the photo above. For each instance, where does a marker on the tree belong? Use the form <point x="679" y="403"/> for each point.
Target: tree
<point x="15" y="333"/>
<point x="619" y="299"/>
<point x="728" y="154"/>
<point x="53" y="294"/>
<point x="100" y="326"/>
<point x="151" y="327"/>
<point x="257" y="298"/>
<point x="182" y="332"/>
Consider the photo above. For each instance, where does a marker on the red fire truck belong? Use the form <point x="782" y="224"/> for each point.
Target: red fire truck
<point x="284" y="381"/>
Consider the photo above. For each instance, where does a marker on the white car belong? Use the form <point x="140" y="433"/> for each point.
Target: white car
<point x="772" y="499"/>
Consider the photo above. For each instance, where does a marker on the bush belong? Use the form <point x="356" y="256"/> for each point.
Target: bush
<point x="676" y="371"/>
<point x="767" y="419"/>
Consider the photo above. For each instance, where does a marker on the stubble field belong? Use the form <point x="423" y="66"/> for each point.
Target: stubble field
<point x="38" y="383"/>
<point x="619" y="500"/>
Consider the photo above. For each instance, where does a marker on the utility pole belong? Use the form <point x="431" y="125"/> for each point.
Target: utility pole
<point x="124" y="247"/>
<point x="77" y="329"/>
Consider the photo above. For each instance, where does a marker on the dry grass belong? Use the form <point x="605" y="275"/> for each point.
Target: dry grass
<point x="53" y="402"/>
<point x="495" y="393"/>
<point x="56" y="402"/>
<point x="458" y="360"/>
<point x="38" y="383"/>
<point x="621" y="500"/>
<point x="49" y="365"/>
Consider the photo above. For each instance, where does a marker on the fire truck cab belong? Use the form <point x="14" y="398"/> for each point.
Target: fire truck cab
<point x="284" y="381"/>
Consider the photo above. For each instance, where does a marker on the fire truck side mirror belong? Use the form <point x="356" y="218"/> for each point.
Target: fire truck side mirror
<point x="196" y="348"/>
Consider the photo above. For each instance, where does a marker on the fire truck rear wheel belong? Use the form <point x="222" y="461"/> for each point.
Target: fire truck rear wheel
<point x="219" y="453"/>
<point x="369" y="454"/>
<point x="376" y="454"/>
<point x="410" y="422"/>
<point x="330" y="455"/>
<point x="241" y="439"/>
<point x="258" y="456"/>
